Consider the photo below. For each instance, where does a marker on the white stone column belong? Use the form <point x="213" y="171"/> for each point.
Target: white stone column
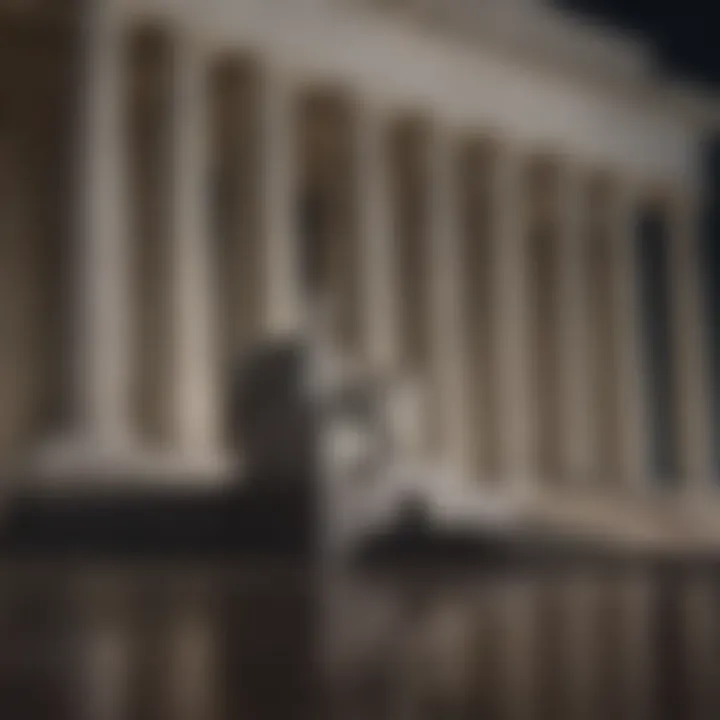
<point x="690" y="344"/>
<point x="510" y="304"/>
<point x="281" y="300"/>
<point x="100" y="391"/>
<point x="627" y="320"/>
<point x="377" y="241"/>
<point x="195" y="408"/>
<point x="448" y="391"/>
<point x="576" y="402"/>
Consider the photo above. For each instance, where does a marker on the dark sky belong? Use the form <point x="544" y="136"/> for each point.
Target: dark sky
<point x="686" y="32"/>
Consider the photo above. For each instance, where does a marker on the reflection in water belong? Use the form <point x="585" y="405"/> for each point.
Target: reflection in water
<point x="104" y="667"/>
<point x="141" y="645"/>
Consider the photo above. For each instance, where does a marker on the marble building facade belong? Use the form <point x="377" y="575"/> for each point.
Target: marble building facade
<point x="464" y="185"/>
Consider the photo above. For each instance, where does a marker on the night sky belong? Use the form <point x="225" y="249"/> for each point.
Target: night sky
<point x="686" y="33"/>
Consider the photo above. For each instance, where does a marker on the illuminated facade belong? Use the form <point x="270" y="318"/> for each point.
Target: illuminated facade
<point x="496" y="204"/>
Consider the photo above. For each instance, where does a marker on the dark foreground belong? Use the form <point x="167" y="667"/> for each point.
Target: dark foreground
<point x="151" y="641"/>
<point x="117" y="607"/>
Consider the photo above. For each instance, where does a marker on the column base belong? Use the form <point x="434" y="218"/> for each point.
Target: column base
<point x="79" y="461"/>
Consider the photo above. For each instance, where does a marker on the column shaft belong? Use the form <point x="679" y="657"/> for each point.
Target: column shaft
<point x="195" y="410"/>
<point x="576" y="410"/>
<point x="379" y="311"/>
<point x="510" y="304"/>
<point x="281" y="300"/>
<point x="690" y="344"/>
<point x="627" y="321"/>
<point x="102" y="359"/>
<point x="446" y="332"/>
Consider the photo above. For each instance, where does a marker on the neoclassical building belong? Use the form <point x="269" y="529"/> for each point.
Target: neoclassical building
<point x="496" y="203"/>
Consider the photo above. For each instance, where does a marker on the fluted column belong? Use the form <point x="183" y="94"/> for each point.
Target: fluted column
<point x="510" y="306"/>
<point x="194" y="395"/>
<point x="281" y="301"/>
<point x="690" y="343"/>
<point x="446" y="332"/>
<point x="100" y="390"/>
<point x="576" y="410"/>
<point x="628" y="324"/>
<point x="377" y="242"/>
